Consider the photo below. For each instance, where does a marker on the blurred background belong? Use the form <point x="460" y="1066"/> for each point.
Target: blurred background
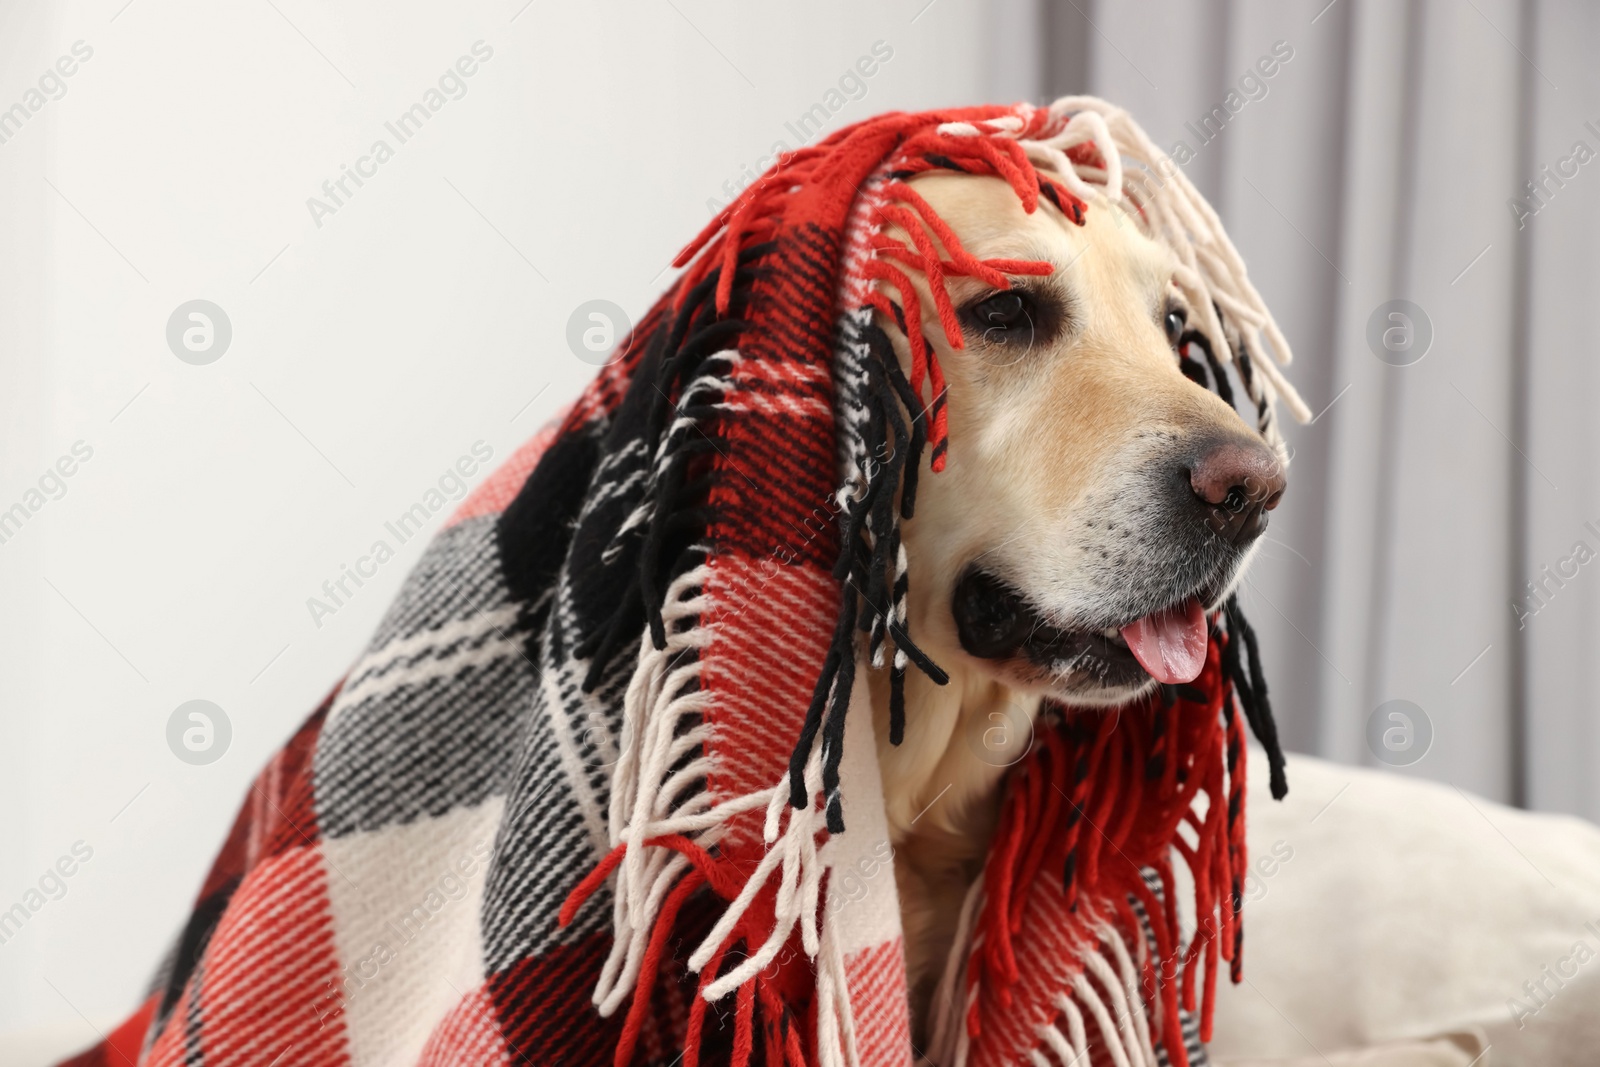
<point x="239" y="342"/>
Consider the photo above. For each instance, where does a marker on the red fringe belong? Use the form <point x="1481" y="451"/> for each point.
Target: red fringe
<point x="1101" y="796"/>
<point x="901" y="144"/>
<point x="651" y="965"/>
<point x="727" y="879"/>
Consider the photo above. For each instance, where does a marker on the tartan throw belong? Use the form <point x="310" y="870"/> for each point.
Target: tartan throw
<point x="603" y="788"/>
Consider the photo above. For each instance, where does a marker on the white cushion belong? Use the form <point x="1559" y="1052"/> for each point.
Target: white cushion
<point x="1382" y="908"/>
<point x="1468" y="1049"/>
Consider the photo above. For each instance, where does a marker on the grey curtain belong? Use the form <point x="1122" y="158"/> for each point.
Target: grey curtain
<point x="1387" y="158"/>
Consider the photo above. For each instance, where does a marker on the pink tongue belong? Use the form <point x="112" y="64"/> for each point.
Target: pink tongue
<point x="1171" y="644"/>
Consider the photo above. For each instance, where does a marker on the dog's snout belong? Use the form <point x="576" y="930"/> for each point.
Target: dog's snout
<point x="1237" y="481"/>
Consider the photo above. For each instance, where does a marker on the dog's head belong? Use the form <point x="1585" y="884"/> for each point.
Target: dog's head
<point x="1097" y="503"/>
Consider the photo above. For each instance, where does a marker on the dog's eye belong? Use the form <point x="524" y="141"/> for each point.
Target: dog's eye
<point x="1018" y="320"/>
<point x="1006" y="318"/>
<point x="1005" y="311"/>
<point x="1174" y="322"/>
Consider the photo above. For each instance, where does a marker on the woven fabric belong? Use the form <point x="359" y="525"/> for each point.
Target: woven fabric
<point x="603" y="785"/>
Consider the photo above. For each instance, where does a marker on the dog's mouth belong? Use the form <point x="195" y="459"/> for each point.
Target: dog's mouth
<point x="1167" y="644"/>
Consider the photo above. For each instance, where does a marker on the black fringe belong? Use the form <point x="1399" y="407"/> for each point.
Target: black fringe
<point x="1221" y="386"/>
<point x="1250" y="689"/>
<point x="678" y="516"/>
<point x="868" y="552"/>
<point x="1251" y="692"/>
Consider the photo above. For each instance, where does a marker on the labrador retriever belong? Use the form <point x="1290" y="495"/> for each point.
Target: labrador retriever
<point x="1099" y="504"/>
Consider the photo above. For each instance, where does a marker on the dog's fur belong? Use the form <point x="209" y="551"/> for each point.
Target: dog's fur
<point x="1063" y="438"/>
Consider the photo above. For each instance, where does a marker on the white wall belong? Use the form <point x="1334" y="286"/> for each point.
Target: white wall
<point x="368" y="353"/>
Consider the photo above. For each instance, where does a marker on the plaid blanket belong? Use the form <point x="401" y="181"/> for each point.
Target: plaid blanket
<point x="602" y="788"/>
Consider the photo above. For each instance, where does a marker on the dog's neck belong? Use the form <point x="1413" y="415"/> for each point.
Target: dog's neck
<point x="941" y="789"/>
<point x="959" y="740"/>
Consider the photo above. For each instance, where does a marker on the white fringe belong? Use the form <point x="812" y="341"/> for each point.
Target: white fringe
<point x="1127" y="1032"/>
<point x="1130" y="988"/>
<point x="1058" y="1043"/>
<point x="1109" y="1033"/>
<point x="792" y="854"/>
<point x="836" y="1028"/>
<point x="1210" y="268"/>
<point x="1077" y="1033"/>
<point x="1121" y="1026"/>
<point x="949" y="1020"/>
<point x="647" y="794"/>
<point x="647" y="802"/>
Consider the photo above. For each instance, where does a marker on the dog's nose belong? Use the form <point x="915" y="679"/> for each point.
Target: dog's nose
<point x="1237" y="480"/>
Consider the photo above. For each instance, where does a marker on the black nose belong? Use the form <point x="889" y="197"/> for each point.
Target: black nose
<point x="1236" y="481"/>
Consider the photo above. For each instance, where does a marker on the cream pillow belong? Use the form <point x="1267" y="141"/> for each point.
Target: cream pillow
<point x="1382" y="908"/>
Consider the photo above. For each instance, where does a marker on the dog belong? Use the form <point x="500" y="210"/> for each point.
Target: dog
<point x="1097" y="506"/>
